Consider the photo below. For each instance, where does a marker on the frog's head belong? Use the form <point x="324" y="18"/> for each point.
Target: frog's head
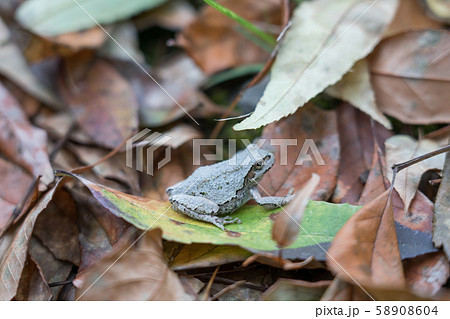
<point x="260" y="162"/>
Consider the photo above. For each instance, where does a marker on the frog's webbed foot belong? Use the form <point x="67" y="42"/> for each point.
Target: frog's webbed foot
<point x="201" y="208"/>
<point x="271" y="202"/>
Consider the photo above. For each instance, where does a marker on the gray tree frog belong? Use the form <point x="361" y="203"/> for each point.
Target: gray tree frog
<point x="215" y="191"/>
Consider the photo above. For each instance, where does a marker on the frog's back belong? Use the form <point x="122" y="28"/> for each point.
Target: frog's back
<point x="218" y="182"/>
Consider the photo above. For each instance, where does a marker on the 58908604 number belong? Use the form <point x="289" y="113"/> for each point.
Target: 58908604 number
<point x="406" y="310"/>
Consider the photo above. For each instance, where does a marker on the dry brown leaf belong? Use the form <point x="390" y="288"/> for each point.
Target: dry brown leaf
<point x="287" y="224"/>
<point x="427" y="274"/>
<point x="14" y="249"/>
<point x="64" y="45"/>
<point x="100" y="231"/>
<point x="140" y="274"/>
<point x="180" y="77"/>
<point x="54" y="270"/>
<point x="213" y="41"/>
<point x="340" y="290"/>
<point x="306" y="125"/>
<point x="15" y="68"/>
<point x="357" y="149"/>
<point x="101" y="100"/>
<point x="13" y="185"/>
<point x="411" y="16"/>
<point x="441" y="233"/>
<point x="32" y="285"/>
<point x="21" y="142"/>
<point x="411" y="76"/>
<point x="365" y="249"/>
<point x="376" y="182"/>
<point x="56" y="228"/>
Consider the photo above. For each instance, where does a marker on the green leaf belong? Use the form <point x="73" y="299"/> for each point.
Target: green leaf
<point x="320" y="223"/>
<point x="55" y="17"/>
<point x="325" y="40"/>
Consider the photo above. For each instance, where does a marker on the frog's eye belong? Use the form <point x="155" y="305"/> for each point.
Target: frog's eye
<point x="258" y="165"/>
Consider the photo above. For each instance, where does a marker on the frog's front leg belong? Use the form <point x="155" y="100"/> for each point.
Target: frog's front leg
<point x="200" y="208"/>
<point x="270" y="202"/>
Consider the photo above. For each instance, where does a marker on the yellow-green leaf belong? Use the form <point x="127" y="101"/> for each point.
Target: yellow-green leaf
<point x="321" y="220"/>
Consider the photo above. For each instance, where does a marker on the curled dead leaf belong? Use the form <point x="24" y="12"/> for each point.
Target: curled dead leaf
<point x="287" y="224"/>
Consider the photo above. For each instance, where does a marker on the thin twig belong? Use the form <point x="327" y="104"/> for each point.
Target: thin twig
<point x="226" y="281"/>
<point x="211" y="281"/>
<point x="396" y="168"/>
<point x="227" y="289"/>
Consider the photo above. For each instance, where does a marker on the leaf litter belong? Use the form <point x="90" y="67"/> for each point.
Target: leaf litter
<point x="372" y="93"/>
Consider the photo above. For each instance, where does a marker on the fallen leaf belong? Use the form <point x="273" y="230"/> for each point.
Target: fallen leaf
<point x="21" y="142"/>
<point x="40" y="48"/>
<point x="50" y="18"/>
<point x="115" y="169"/>
<point x="53" y="269"/>
<point x="365" y="250"/>
<point x="287" y="224"/>
<point x="57" y="230"/>
<point x="411" y="77"/>
<point x="213" y="41"/>
<point x="204" y="255"/>
<point x="140" y="274"/>
<point x="356" y="137"/>
<point x="13" y="185"/>
<point x="15" y="68"/>
<point x="439" y="10"/>
<point x="413" y="229"/>
<point x="320" y="223"/>
<point x="100" y="231"/>
<point x="325" y="40"/>
<point x="14" y="249"/>
<point x="427" y="274"/>
<point x="309" y="130"/>
<point x="101" y="100"/>
<point x="181" y="78"/>
<point x="441" y="231"/>
<point x="32" y="285"/>
<point x="290" y="289"/>
<point x="340" y="290"/>
<point x="126" y="34"/>
<point x="401" y="148"/>
<point x="376" y="183"/>
<point x="411" y="16"/>
<point x="173" y="15"/>
<point x="356" y="89"/>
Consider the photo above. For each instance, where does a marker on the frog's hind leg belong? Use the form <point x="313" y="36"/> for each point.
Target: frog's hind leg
<point x="201" y="208"/>
<point x="269" y="201"/>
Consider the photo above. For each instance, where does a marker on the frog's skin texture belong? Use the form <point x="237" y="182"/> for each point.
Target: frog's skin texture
<point x="215" y="191"/>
